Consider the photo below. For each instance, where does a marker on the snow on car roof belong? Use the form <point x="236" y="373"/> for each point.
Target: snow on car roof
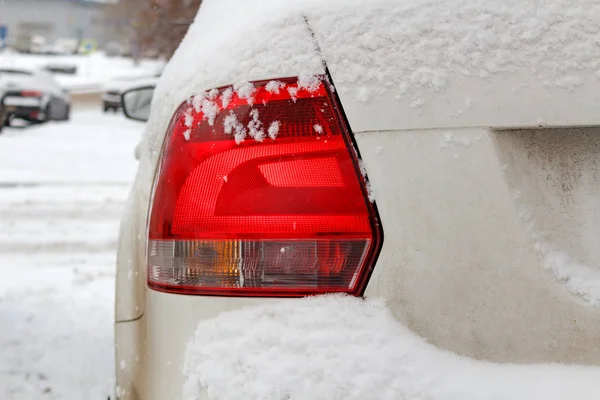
<point x="394" y="46"/>
<point x="32" y="79"/>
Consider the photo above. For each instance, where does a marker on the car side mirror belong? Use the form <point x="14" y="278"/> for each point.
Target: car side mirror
<point x="136" y="103"/>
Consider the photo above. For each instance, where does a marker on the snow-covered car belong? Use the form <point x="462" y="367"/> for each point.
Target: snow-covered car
<point x="33" y="95"/>
<point x="431" y="163"/>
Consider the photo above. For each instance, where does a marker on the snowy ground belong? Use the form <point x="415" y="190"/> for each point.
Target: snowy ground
<point x="62" y="188"/>
<point x="94" y="71"/>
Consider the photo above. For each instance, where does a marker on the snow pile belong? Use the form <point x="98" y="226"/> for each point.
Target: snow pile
<point x="337" y="347"/>
<point x="580" y="280"/>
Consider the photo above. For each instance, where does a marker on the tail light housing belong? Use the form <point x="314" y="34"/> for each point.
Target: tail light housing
<point x="259" y="193"/>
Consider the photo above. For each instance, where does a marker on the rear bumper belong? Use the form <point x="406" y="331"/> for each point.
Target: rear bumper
<point x="25" y="112"/>
<point x="150" y="351"/>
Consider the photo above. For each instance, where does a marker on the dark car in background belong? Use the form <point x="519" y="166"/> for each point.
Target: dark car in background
<point x="33" y="95"/>
<point x="111" y="99"/>
<point x="2" y="113"/>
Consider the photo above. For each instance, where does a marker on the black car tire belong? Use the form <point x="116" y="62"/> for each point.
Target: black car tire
<point x="67" y="114"/>
<point x="47" y="112"/>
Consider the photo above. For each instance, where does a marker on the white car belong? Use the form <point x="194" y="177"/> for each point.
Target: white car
<point x="33" y="95"/>
<point x="439" y="155"/>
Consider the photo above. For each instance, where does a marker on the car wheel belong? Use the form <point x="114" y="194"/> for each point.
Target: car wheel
<point x="67" y="115"/>
<point x="45" y="115"/>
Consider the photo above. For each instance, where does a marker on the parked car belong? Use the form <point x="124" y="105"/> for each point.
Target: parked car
<point x="3" y="116"/>
<point x="114" y="49"/>
<point x="61" y="68"/>
<point x="30" y="43"/>
<point x="111" y="97"/>
<point x="65" y="46"/>
<point x="441" y="158"/>
<point x="33" y="95"/>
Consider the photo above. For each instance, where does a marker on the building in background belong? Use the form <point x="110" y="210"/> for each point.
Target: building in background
<point x="53" y="20"/>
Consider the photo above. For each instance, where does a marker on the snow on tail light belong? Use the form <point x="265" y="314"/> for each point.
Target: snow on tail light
<point x="259" y="193"/>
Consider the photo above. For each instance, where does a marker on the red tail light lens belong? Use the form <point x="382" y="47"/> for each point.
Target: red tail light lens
<point x="31" y="93"/>
<point x="259" y="193"/>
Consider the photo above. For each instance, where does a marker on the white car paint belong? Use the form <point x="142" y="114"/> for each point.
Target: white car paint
<point x="465" y="181"/>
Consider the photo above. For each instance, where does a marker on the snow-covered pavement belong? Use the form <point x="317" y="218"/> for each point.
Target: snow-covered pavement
<point x="62" y="188"/>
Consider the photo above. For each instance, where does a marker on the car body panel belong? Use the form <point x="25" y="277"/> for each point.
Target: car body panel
<point x="144" y="373"/>
<point x="459" y="265"/>
<point x="459" y="178"/>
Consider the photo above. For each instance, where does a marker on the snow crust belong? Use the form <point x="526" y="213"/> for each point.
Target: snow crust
<point x="408" y="49"/>
<point x="255" y="127"/>
<point x="338" y="347"/>
<point x="580" y="280"/>
<point x="274" y="129"/>
<point x="274" y="86"/>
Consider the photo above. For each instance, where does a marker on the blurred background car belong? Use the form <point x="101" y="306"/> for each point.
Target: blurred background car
<point x="61" y="68"/>
<point x="111" y="97"/>
<point x="114" y="49"/>
<point x="2" y="114"/>
<point x="33" y="95"/>
<point x="65" y="46"/>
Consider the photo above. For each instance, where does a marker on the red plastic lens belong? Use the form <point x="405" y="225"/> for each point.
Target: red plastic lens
<point x="31" y="93"/>
<point x="259" y="193"/>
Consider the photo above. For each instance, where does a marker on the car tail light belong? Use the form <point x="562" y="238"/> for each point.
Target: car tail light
<point x="259" y="193"/>
<point x="31" y="93"/>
